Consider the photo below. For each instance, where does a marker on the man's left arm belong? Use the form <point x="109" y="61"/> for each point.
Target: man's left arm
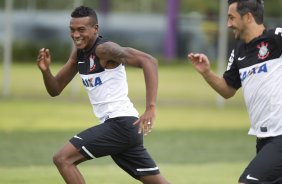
<point x="110" y="51"/>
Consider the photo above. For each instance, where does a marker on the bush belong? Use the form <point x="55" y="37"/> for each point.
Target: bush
<point x="27" y="52"/>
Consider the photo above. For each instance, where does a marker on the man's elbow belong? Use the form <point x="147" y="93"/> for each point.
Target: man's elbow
<point x="53" y="93"/>
<point x="148" y="61"/>
<point x="227" y="96"/>
<point x="229" y="93"/>
<point x="154" y="60"/>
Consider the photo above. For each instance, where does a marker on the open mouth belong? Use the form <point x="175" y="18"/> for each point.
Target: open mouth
<point x="78" y="42"/>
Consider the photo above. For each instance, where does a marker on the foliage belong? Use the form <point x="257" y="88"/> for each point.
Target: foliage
<point x="210" y="7"/>
<point x="27" y="51"/>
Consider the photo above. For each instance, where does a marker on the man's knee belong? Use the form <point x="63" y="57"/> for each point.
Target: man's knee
<point x="68" y="155"/>
<point x="159" y="179"/>
<point x="58" y="159"/>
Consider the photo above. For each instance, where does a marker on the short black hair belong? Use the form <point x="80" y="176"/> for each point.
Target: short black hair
<point x="255" y="7"/>
<point x="83" y="11"/>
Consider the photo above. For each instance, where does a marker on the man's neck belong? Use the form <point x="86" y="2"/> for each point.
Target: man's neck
<point x="254" y="32"/>
<point x="91" y="45"/>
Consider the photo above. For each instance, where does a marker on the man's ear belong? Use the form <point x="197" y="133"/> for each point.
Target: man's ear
<point x="96" y="28"/>
<point x="249" y="17"/>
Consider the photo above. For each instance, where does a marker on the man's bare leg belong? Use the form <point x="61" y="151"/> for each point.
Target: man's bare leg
<point x="66" y="160"/>
<point x="153" y="179"/>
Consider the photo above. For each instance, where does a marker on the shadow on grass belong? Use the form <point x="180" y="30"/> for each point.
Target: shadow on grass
<point x="37" y="148"/>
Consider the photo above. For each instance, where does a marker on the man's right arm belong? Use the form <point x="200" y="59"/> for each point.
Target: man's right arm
<point x="55" y="84"/>
<point x="202" y="65"/>
<point x="219" y="84"/>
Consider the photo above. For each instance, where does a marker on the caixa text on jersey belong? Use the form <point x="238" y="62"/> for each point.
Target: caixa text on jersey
<point x="92" y="82"/>
<point x="252" y="71"/>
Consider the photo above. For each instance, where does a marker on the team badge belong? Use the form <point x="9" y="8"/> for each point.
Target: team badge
<point x="263" y="50"/>
<point x="92" y="62"/>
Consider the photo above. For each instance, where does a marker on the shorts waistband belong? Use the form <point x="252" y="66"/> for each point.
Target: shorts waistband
<point x="264" y="138"/>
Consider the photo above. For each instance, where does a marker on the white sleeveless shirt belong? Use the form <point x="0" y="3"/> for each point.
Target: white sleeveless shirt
<point x="107" y="88"/>
<point x="108" y="93"/>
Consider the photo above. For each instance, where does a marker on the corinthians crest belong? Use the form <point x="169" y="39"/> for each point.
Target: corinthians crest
<point x="91" y="62"/>
<point x="263" y="50"/>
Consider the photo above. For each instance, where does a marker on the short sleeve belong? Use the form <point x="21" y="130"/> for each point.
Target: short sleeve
<point x="231" y="75"/>
<point x="278" y="36"/>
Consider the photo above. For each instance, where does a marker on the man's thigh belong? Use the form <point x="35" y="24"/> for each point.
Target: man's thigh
<point x="108" y="138"/>
<point x="267" y="165"/>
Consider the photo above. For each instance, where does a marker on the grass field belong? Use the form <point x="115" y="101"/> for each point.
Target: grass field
<point x="193" y="140"/>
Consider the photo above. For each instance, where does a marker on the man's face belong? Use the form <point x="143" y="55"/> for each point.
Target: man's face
<point x="83" y="32"/>
<point x="235" y="22"/>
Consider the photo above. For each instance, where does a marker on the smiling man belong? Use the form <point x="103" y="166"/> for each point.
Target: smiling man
<point x="101" y="66"/>
<point x="255" y="64"/>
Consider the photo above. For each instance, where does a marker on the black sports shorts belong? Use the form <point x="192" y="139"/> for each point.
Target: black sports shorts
<point x="119" y="138"/>
<point x="266" y="167"/>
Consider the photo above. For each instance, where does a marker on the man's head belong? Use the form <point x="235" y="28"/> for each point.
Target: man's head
<point x="83" y="11"/>
<point x="83" y="27"/>
<point x="244" y="13"/>
<point x="255" y="7"/>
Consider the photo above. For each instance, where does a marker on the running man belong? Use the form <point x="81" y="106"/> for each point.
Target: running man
<point x="101" y="66"/>
<point x="255" y="64"/>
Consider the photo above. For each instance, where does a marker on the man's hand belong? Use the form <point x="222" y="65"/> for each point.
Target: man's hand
<point x="146" y="121"/>
<point x="43" y="59"/>
<point x="200" y="62"/>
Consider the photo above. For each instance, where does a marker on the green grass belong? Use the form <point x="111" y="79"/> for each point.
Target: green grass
<point x="193" y="140"/>
<point x="20" y="148"/>
<point x="177" y="173"/>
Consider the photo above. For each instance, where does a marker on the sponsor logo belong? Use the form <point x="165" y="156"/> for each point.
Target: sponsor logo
<point x="249" y="177"/>
<point x="255" y="70"/>
<point x="230" y="61"/>
<point x="92" y="82"/>
<point x="278" y="31"/>
<point x="241" y="58"/>
<point x="77" y="137"/>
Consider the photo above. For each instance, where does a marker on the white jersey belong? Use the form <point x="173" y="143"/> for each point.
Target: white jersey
<point x="107" y="88"/>
<point x="257" y="67"/>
